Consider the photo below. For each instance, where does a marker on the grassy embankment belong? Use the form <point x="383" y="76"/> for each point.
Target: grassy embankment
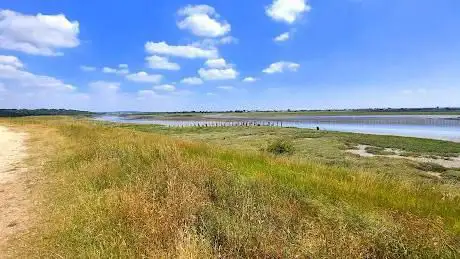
<point x="120" y="192"/>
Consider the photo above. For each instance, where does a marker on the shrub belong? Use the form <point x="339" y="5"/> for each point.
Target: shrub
<point x="281" y="147"/>
<point x="431" y="167"/>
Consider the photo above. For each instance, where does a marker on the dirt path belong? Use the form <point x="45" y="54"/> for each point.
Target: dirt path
<point x="14" y="194"/>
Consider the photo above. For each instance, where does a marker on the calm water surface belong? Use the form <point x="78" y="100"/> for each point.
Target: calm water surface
<point x="422" y="126"/>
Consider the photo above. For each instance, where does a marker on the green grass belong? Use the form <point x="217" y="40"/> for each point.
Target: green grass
<point x="413" y="146"/>
<point x="379" y="151"/>
<point x="148" y="191"/>
<point x="329" y="148"/>
<point x="280" y="147"/>
<point x="431" y="167"/>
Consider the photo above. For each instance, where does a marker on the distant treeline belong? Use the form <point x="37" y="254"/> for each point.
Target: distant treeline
<point x="383" y="110"/>
<point x="39" y="112"/>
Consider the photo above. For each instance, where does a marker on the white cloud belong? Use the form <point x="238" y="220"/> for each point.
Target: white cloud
<point x="104" y="86"/>
<point x="249" y="79"/>
<point x="213" y="43"/>
<point x="37" y="35"/>
<point x="228" y="40"/>
<point x="287" y="10"/>
<point x="144" y="77"/>
<point x="210" y="94"/>
<point x="12" y="73"/>
<point x="109" y="70"/>
<point x="226" y="88"/>
<point x="187" y="51"/>
<point x="283" y="37"/>
<point x="218" y="74"/>
<point x="157" y="62"/>
<point x="196" y="9"/>
<point x="216" y="63"/>
<point x="121" y="70"/>
<point x="192" y="81"/>
<point x="87" y="68"/>
<point x="280" y="67"/>
<point x="167" y="88"/>
<point x="11" y="60"/>
<point x="146" y="93"/>
<point x="203" y="21"/>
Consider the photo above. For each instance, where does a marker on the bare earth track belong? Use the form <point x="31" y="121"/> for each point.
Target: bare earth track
<point x="14" y="201"/>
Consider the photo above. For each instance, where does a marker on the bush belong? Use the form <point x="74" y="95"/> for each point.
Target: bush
<point x="281" y="147"/>
<point x="431" y="167"/>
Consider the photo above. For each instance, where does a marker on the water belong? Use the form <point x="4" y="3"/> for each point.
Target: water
<point x="433" y="127"/>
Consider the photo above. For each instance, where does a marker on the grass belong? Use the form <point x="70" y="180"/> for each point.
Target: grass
<point x="411" y="146"/>
<point x="281" y="147"/>
<point x="379" y="151"/>
<point x="134" y="191"/>
<point x="414" y="146"/>
<point x="431" y="167"/>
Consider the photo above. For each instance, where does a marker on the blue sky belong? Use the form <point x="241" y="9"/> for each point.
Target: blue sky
<point x="218" y="55"/>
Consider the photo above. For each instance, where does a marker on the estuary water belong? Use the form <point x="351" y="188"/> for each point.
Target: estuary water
<point x="421" y="126"/>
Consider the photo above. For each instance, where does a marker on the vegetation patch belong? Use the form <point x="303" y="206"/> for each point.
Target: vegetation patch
<point x="379" y="151"/>
<point x="119" y="192"/>
<point x="281" y="147"/>
<point x="411" y="146"/>
<point x="452" y="175"/>
<point x="430" y="167"/>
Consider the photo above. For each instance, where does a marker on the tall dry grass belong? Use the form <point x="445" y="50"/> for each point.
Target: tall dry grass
<point x="120" y="193"/>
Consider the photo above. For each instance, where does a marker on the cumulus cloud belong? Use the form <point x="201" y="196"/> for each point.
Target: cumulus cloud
<point x="12" y="73"/>
<point x="216" y="63"/>
<point x="122" y="69"/>
<point x="167" y="88"/>
<point x="280" y="67"/>
<point x="87" y="68"/>
<point x="144" y="77"/>
<point x="218" y="74"/>
<point x="11" y="60"/>
<point x="37" y="34"/>
<point x="283" y="37"/>
<point x="202" y="21"/>
<point x="192" y="81"/>
<point x="287" y="10"/>
<point x="249" y="79"/>
<point x="157" y="62"/>
<point x="186" y="51"/>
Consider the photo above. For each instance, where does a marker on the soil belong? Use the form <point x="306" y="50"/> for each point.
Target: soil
<point x="15" y="201"/>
